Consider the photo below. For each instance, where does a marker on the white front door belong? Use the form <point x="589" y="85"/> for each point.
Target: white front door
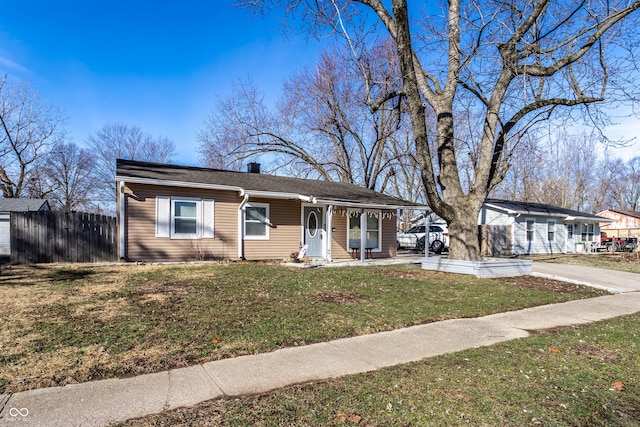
<point x="570" y="240"/>
<point x="313" y="230"/>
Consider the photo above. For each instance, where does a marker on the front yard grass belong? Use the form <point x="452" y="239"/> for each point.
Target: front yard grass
<point x="579" y="376"/>
<point x="61" y="325"/>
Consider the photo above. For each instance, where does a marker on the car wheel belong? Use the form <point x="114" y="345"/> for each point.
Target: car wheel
<point x="398" y="245"/>
<point x="437" y="246"/>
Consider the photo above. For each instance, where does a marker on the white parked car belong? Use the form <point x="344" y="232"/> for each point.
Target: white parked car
<point x="413" y="238"/>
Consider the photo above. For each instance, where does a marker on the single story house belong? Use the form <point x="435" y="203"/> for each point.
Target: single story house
<point x="15" y="205"/>
<point x="177" y="213"/>
<point x="624" y="223"/>
<point x="522" y="228"/>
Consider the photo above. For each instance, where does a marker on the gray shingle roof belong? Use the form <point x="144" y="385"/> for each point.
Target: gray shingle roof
<point x="539" y="209"/>
<point x="23" y="205"/>
<point x="129" y="170"/>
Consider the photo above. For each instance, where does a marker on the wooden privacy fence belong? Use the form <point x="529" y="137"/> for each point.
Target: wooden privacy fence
<point x="60" y="236"/>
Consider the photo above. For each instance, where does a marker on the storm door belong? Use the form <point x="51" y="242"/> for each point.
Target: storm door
<point x="313" y="230"/>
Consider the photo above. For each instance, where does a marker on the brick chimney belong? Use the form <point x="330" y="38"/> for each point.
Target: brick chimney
<point x="253" y="167"/>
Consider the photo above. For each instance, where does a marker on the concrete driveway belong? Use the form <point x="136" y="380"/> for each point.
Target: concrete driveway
<point x="612" y="281"/>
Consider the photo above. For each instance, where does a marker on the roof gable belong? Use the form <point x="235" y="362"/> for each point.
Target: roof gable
<point x="256" y="184"/>
<point x="632" y="214"/>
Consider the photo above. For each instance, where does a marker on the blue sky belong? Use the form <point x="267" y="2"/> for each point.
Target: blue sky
<point x="157" y="65"/>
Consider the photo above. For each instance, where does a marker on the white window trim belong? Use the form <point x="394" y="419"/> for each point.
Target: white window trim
<point x="267" y="224"/>
<point x="352" y="213"/>
<point x="165" y="218"/>
<point x="198" y="233"/>
<point x="549" y="222"/>
<point x="526" y="230"/>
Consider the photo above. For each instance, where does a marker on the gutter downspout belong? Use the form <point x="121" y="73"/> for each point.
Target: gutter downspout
<point x="245" y="199"/>
<point x="363" y="236"/>
<point x="121" y="219"/>
<point x="329" y="225"/>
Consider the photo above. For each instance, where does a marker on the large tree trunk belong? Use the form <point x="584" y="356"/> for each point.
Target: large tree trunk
<point x="464" y="242"/>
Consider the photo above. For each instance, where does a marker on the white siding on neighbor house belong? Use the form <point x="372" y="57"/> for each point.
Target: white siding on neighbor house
<point x="5" y="237"/>
<point x="490" y="216"/>
<point x="540" y="243"/>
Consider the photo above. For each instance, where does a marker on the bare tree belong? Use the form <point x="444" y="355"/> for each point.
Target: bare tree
<point x="323" y="126"/>
<point x="65" y="177"/>
<point x="28" y="127"/>
<point x="121" y="141"/>
<point x="517" y="63"/>
<point x="628" y="185"/>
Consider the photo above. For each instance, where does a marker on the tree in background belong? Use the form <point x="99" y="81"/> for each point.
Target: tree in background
<point x="65" y="176"/>
<point x="28" y="127"/>
<point x="516" y="64"/>
<point x="323" y="126"/>
<point x="121" y="141"/>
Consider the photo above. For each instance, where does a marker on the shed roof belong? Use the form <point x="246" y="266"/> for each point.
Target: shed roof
<point x="23" y="205"/>
<point x="255" y="184"/>
<point x="530" y="208"/>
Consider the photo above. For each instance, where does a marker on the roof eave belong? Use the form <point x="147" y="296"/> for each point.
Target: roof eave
<point x="170" y="183"/>
<point x="356" y="204"/>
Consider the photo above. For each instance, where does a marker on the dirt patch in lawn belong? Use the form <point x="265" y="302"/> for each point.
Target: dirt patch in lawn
<point x="338" y="297"/>
<point x="542" y="283"/>
<point x="535" y="282"/>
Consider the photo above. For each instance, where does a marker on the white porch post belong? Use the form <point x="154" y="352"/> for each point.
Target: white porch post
<point x="241" y="214"/>
<point x="329" y="226"/>
<point x="363" y="235"/>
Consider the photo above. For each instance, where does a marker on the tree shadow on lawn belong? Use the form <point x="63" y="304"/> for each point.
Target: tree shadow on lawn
<point x="37" y="274"/>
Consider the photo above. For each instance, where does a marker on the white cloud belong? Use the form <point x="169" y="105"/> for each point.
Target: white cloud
<point x="9" y="65"/>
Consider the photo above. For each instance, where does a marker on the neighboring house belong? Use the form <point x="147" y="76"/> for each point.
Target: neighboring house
<point x="625" y="223"/>
<point x="177" y="213"/>
<point x="519" y="228"/>
<point x="15" y="205"/>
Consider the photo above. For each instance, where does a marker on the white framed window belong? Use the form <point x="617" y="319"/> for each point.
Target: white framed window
<point x="530" y="228"/>
<point x="184" y="218"/>
<point x="256" y="221"/>
<point x="551" y="230"/>
<point x="588" y="231"/>
<point x="374" y="230"/>
<point x="569" y="231"/>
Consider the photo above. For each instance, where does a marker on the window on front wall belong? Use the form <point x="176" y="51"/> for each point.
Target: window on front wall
<point x="569" y="231"/>
<point x="256" y="221"/>
<point x="551" y="231"/>
<point x="374" y="235"/>
<point x="531" y="225"/>
<point x="588" y="231"/>
<point x="184" y="218"/>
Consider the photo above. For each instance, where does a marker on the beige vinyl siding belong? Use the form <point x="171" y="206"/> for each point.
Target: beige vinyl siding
<point x="284" y="233"/>
<point x="140" y="227"/>
<point x="389" y="240"/>
<point x="339" y="248"/>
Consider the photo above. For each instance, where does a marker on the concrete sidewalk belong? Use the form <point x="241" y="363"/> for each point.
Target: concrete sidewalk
<point x="100" y="403"/>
